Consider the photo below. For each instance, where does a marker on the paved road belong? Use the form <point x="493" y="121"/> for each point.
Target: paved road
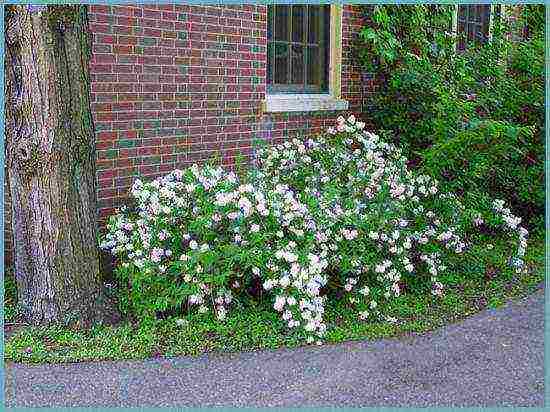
<point x="495" y="358"/>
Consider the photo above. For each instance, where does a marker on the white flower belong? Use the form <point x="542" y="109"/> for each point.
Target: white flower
<point x="284" y="281"/>
<point x="268" y="284"/>
<point x="279" y="303"/>
<point x="254" y="228"/>
<point x="193" y="245"/>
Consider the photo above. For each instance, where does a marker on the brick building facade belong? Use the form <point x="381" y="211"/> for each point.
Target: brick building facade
<point x="172" y="85"/>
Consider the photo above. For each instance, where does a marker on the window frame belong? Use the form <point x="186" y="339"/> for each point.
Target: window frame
<point x="322" y="43"/>
<point x="492" y="12"/>
<point x="287" y="102"/>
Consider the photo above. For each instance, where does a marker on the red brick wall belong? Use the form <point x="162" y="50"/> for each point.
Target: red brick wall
<point x="176" y="84"/>
<point x="171" y="86"/>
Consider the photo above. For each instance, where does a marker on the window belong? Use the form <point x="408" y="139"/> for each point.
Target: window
<point x="473" y="24"/>
<point x="298" y="49"/>
<point x="303" y="58"/>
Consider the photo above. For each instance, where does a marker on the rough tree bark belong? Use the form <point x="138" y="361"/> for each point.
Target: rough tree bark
<point x="50" y="165"/>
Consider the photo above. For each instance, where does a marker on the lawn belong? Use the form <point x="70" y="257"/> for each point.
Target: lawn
<point x="258" y="327"/>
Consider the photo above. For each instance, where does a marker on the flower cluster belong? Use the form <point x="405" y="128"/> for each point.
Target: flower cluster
<point x="338" y="211"/>
<point x="512" y="223"/>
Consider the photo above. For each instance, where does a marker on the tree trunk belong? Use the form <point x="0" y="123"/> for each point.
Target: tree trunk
<point x="50" y="165"/>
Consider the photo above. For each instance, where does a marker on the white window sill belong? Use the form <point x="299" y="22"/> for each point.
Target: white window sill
<point x="302" y="103"/>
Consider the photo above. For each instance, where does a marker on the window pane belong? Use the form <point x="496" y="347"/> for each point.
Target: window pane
<point x="281" y="22"/>
<point x="270" y="50"/>
<point x="325" y="49"/>
<point x="297" y="64"/>
<point x="479" y="13"/>
<point x="462" y="12"/>
<point x="298" y="23"/>
<point x="281" y="63"/>
<point x="269" y="21"/>
<point x="472" y="12"/>
<point x="298" y="68"/>
<point x="471" y="31"/>
<point x="313" y="60"/>
<point x="313" y="24"/>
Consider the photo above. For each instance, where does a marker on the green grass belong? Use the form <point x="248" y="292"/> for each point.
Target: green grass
<point x="259" y="327"/>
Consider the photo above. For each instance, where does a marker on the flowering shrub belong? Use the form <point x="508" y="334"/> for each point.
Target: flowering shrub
<point x="341" y="211"/>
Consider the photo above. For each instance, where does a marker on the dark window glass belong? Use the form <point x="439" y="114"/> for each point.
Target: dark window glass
<point x="313" y="24"/>
<point x="298" y="51"/>
<point x="313" y="75"/>
<point x="298" y="21"/>
<point x="282" y="62"/>
<point x="297" y="65"/>
<point x="282" y="16"/>
<point x="269" y="27"/>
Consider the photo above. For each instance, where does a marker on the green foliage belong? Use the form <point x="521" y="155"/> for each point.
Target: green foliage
<point x="490" y="97"/>
<point x="398" y="34"/>
<point x="491" y="159"/>
<point x="533" y="18"/>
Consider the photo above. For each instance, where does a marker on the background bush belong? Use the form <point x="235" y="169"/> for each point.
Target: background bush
<point x="444" y="108"/>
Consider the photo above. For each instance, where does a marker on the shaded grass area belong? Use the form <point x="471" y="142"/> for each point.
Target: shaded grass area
<point x="254" y="327"/>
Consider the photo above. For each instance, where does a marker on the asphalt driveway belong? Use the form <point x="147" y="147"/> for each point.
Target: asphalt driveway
<point x="495" y="358"/>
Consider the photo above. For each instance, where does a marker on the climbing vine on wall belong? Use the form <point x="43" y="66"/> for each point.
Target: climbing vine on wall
<point x="394" y="34"/>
